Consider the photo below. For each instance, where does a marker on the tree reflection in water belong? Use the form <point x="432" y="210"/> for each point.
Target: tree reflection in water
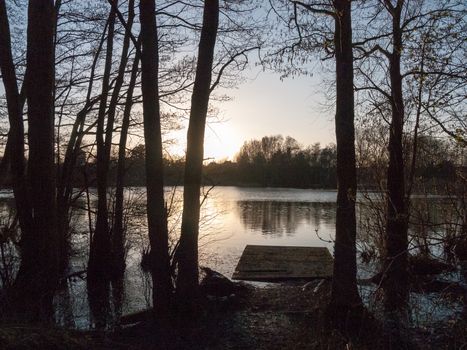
<point x="279" y="219"/>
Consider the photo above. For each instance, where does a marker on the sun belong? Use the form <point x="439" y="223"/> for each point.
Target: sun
<point x="222" y="142"/>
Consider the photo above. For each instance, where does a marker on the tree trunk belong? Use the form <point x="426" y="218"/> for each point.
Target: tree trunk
<point x="118" y="268"/>
<point x="65" y="178"/>
<point x="344" y="297"/>
<point x="187" y="279"/>
<point x="118" y="232"/>
<point x="156" y="211"/>
<point x="100" y="255"/>
<point x="37" y="275"/>
<point x="15" y="145"/>
<point x="395" y="275"/>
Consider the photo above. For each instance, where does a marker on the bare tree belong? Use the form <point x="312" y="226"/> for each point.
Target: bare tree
<point x="187" y="278"/>
<point x="345" y="299"/>
<point x="100" y="258"/>
<point x="344" y="296"/>
<point x="37" y="276"/>
<point x="15" y="146"/>
<point x="118" y="231"/>
<point x="404" y="70"/>
<point x="395" y="283"/>
<point x="156" y="211"/>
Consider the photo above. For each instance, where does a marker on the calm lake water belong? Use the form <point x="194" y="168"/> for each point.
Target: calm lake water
<point x="231" y="218"/>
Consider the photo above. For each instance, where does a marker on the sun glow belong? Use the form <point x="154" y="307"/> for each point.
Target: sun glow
<point x="262" y="107"/>
<point x="222" y="142"/>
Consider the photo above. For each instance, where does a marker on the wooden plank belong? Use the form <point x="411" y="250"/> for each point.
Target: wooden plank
<point x="276" y="263"/>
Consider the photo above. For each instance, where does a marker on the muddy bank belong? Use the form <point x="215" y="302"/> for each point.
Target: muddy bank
<point x="281" y="316"/>
<point x="275" y="316"/>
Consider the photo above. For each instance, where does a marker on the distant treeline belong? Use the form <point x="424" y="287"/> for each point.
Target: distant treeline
<point x="272" y="161"/>
<point x="277" y="161"/>
<point x="282" y="162"/>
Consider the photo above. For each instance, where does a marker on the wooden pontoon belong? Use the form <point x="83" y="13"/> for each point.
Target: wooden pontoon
<point x="281" y="263"/>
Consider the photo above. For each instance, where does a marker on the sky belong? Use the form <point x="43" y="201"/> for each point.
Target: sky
<point x="264" y="105"/>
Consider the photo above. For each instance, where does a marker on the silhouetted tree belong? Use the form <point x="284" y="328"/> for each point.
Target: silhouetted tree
<point x="187" y="279"/>
<point x="118" y="232"/>
<point x="37" y="277"/>
<point x="66" y="171"/>
<point x="395" y="283"/>
<point x="15" y="145"/>
<point x="118" y="263"/>
<point x="100" y="257"/>
<point x="344" y="295"/>
<point x="156" y="211"/>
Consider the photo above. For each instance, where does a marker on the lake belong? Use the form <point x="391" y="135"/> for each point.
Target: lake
<point x="231" y="218"/>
